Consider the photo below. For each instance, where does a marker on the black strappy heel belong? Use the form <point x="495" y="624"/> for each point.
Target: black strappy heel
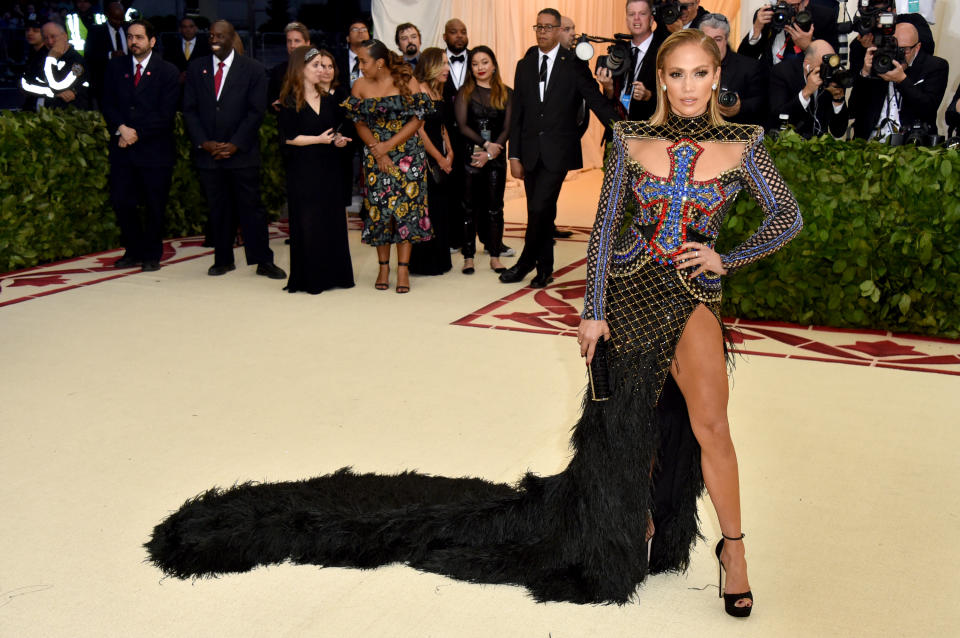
<point x="384" y="284"/>
<point x="402" y="264"/>
<point x="730" y="600"/>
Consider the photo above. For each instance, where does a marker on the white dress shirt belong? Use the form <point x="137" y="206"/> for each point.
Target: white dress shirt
<point x="193" y="46"/>
<point x="458" y="70"/>
<point x="226" y="69"/>
<point x="551" y="56"/>
<point x="351" y="61"/>
<point x="143" y="65"/>
<point x="642" y="49"/>
<point x="113" y="39"/>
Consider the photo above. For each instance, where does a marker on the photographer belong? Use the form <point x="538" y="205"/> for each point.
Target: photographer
<point x="741" y="77"/>
<point x="771" y="45"/>
<point x="633" y="91"/>
<point x="691" y="15"/>
<point x="893" y="101"/>
<point x="798" y="91"/>
<point x="953" y="112"/>
<point x="866" y="39"/>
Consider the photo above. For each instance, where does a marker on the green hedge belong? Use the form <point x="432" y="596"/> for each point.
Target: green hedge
<point x="880" y="247"/>
<point x="54" y="199"/>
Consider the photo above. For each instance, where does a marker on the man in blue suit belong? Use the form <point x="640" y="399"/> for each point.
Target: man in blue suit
<point x="224" y="101"/>
<point x="139" y="106"/>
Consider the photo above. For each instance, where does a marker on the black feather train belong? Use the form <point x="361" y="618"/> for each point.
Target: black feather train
<point x="577" y="536"/>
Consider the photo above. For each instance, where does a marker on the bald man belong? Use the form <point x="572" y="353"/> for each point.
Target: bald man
<point x="797" y="91"/>
<point x="896" y="100"/>
<point x="63" y="79"/>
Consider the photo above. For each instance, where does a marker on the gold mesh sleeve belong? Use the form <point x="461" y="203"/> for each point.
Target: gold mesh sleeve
<point x="606" y="227"/>
<point x="782" y="221"/>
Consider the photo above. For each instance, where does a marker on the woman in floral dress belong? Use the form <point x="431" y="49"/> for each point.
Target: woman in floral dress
<point x="388" y="108"/>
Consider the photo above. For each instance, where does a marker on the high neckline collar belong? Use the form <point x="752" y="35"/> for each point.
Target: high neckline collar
<point x="688" y="125"/>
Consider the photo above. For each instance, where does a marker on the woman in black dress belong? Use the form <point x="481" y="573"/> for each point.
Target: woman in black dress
<point x="483" y="117"/>
<point x="311" y="120"/>
<point x="433" y="257"/>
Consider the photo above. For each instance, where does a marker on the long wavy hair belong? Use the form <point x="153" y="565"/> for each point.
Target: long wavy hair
<point x="429" y="67"/>
<point x="676" y="40"/>
<point x="399" y="70"/>
<point x="498" y="90"/>
<point x="293" y="85"/>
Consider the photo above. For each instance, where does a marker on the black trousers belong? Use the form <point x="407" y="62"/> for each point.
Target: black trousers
<point x="133" y="187"/>
<point x="483" y="207"/>
<point x="233" y="195"/>
<point x="542" y="187"/>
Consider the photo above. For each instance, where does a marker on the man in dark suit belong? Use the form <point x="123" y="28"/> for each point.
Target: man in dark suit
<point x="549" y="84"/>
<point x="357" y="33"/>
<point x="189" y="46"/>
<point x="224" y="102"/>
<point x="634" y="93"/>
<point x="953" y="113"/>
<point x="742" y="76"/>
<point x="797" y="91"/>
<point x="859" y="46"/>
<point x="911" y="93"/>
<point x="296" y="35"/>
<point x="771" y="46"/>
<point x="691" y="14"/>
<point x="458" y="55"/>
<point x="139" y="106"/>
<point x="104" y="43"/>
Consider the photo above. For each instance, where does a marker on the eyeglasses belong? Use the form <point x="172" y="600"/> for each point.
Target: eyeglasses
<point x="906" y="49"/>
<point x="545" y="28"/>
<point x="357" y="29"/>
<point x="719" y="17"/>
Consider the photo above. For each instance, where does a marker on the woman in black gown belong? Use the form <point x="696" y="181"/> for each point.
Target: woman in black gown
<point x="433" y="257"/>
<point x="311" y="120"/>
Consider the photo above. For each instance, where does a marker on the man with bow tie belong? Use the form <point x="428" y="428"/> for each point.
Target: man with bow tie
<point x="139" y="105"/>
<point x="634" y="91"/>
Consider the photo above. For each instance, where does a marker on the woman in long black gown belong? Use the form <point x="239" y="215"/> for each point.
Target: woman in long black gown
<point x="311" y="119"/>
<point x="433" y="257"/>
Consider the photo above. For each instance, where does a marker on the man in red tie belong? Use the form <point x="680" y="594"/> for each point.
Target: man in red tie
<point x="139" y="105"/>
<point x="224" y="100"/>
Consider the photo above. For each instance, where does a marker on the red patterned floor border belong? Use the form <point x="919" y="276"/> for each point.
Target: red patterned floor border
<point x="557" y="317"/>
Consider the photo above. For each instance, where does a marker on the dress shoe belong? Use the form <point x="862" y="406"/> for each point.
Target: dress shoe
<point x="541" y="281"/>
<point x="271" y="270"/>
<point x="217" y="270"/>
<point x="150" y="265"/>
<point x="514" y="274"/>
<point x="126" y="262"/>
<point x="562" y="234"/>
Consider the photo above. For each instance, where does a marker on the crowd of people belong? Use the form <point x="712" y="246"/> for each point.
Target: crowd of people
<point x="427" y="135"/>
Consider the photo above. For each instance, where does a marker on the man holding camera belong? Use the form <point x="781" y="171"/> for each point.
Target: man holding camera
<point x="743" y="80"/>
<point x="785" y="29"/>
<point x="633" y="92"/>
<point x="691" y="14"/>
<point x="801" y="97"/>
<point x="876" y="16"/>
<point x="899" y="89"/>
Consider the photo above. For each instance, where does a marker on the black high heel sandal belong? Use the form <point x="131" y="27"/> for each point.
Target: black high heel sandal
<point x="402" y="289"/>
<point x="730" y="600"/>
<point x="383" y="285"/>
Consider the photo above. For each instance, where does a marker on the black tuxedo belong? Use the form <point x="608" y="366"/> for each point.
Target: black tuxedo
<point x="818" y="118"/>
<point x="98" y="51"/>
<point x="141" y="173"/>
<point x="174" y="53"/>
<point x="919" y="96"/>
<point x="751" y="81"/>
<point x="545" y="138"/>
<point x="824" y="28"/>
<point x="232" y="185"/>
<point x="456" y="180"/>
<point x="642" y="110"/>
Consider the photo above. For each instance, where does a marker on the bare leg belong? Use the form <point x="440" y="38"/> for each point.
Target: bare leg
<point x="404" y="249"/>
<point x="383" y="278"/>
<point x="700" y="371"/>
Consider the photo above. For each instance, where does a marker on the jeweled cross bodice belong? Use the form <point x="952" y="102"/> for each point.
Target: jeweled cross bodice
<point x="677" y="201"/>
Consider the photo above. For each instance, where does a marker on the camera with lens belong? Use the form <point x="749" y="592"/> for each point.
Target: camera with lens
<point x="871" y="14"/>
<point x="833" y="72"/>
<point x="918" y="134"/>
<point x="727" y="98"/>
<point x="667" y="11"/>
<point x="785" y="15"/>
<point x="888" y="51"/>
<point x="617" y="60"/>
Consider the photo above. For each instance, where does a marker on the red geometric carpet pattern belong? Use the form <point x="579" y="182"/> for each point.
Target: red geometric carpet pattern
<point x="555" y="310"/>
